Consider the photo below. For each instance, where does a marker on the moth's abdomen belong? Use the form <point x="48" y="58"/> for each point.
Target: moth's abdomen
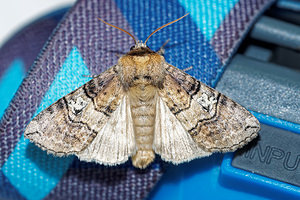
<point x="142" y="102"/>
<point x="143" y="119"/>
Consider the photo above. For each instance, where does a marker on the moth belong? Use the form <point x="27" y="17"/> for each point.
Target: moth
<point x="142" y="106"/>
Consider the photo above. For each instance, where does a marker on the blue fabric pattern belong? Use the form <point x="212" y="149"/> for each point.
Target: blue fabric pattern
<point x="208" y="15"/>
<point x="188" y="45"/>
<point x="29" y="169"/>
<point x="10" y="82"/>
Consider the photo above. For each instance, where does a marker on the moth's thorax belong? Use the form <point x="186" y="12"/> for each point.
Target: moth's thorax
<point x="142" y="67"/>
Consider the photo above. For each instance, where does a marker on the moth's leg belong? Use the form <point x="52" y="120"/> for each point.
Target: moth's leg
<point x="187" y="69"/>
<point x="90" y="76"/>
<point x="161" y="50"/>
<point x="118" y="55"/>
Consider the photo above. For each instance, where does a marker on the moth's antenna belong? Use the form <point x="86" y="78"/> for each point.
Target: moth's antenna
<point x="165" y="26"/>
<point x="119" y="29"/>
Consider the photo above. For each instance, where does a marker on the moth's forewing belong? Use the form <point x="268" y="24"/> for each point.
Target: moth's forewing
<point x="215" y="122"/>
<point x="71" y="123"/>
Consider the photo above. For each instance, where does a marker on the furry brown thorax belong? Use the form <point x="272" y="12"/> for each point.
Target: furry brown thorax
<point x="142" y="66"/>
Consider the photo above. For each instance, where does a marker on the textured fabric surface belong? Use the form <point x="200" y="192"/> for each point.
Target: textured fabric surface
<point x="27" y="43"/>
<point x="10" y="81"/>
<point x="92" y="181"/>
<point x="16" y="57"/>
<point x="205" y="46"/>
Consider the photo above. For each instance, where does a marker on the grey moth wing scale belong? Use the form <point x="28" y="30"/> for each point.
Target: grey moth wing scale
<point x="215" y="122"/>
<point x="72" y="122"/>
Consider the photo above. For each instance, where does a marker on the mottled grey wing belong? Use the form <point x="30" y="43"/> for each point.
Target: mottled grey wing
<point x="72" y="122"/>
<point x="215" y="122"/>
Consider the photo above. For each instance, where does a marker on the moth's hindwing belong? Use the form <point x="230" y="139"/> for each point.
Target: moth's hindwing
<point x="215" y="122"/>
<point x="171" y="141"/>
<point x="115" y="142"/>
<point x="72" y="122"/>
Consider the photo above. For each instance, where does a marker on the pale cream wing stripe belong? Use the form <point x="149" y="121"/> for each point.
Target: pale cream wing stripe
<point x="215" y="122"/>
<point x="115" y="142"/>
<point x="171" y="141"/>
<point x="72" y="122"/>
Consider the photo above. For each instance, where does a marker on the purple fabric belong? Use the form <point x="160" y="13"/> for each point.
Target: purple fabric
<point x="27" y="43"/>
<point x="7" y="191"/>
<point x="92" y="181"/>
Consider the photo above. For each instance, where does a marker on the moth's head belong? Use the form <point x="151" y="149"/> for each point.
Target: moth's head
<point x="140" y="49"/>
<point x="141" y="55"/>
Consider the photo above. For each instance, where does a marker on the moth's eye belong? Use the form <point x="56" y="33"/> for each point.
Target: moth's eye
<point x="135" y="78"/>
<point x="147" y="77"/>
<point x="131" y="48"/>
